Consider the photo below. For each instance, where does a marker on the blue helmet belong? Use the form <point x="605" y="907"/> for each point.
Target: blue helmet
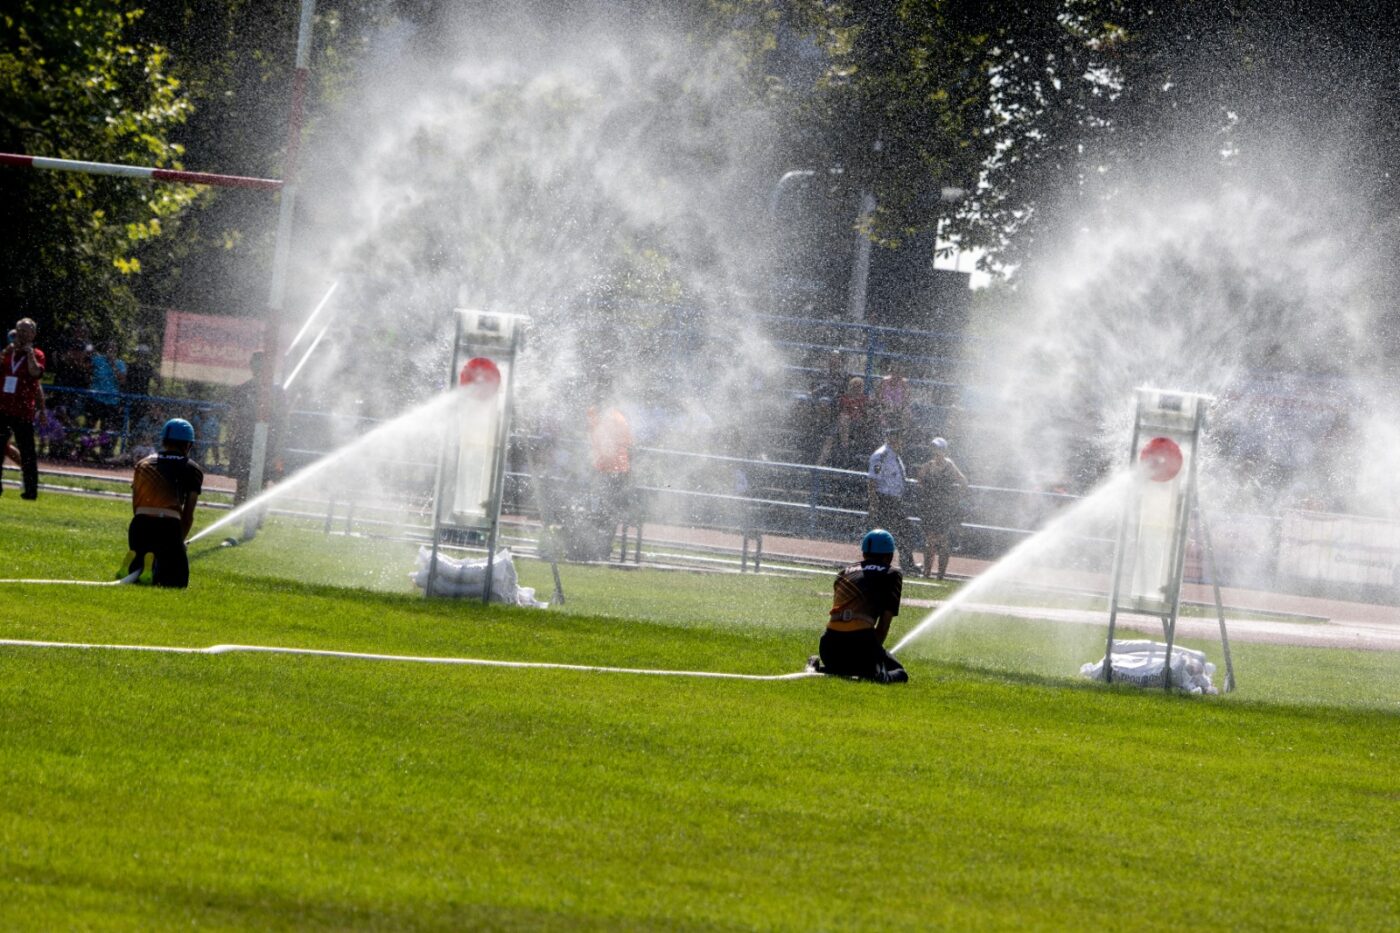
<point x="877" y="541"/>
<point x="177" y="429"/>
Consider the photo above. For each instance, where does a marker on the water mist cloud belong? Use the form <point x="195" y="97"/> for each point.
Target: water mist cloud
<point x="604" y="180"/>
<point x="1254" y="284"/>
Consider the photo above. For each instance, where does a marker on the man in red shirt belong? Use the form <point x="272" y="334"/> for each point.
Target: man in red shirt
<point x="21" y="368"/>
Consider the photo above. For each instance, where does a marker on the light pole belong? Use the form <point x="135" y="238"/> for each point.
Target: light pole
<point x="860" y="267"/>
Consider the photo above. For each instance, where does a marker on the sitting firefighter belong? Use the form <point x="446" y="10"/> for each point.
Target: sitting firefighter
<point x="865" y="599"/>
<point x="164" y="492"/>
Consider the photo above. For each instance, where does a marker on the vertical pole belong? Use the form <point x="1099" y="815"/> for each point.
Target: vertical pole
<point x="860" y="267"/>
<point x="537" y="487"/>
<point x="281" y="253"/>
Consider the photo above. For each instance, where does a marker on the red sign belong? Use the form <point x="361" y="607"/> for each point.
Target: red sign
<point x="209" y="348"/>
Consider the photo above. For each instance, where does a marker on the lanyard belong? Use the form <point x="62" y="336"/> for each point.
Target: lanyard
<point x="15" y="361"/>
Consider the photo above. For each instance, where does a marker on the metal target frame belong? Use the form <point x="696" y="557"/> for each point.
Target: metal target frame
<point x="496" y="336"/>
<point x="1144" y="540"/>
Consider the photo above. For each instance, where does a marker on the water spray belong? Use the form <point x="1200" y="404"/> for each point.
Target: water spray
<point x="291" y="377"/>
<point x="430" y="413"/>
<point x="1026" y="554"/>
<point x="311" y="318"/>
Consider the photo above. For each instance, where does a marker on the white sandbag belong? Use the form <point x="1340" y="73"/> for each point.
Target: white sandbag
<point x="1142" y="664"/>
<point x="466" y="578"/>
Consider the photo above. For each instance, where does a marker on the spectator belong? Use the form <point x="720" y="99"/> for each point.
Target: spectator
<point x="108" y="382"/>
<point x="73" y="368"/>
<point x="56" y="428"/>
<point x="145" y="434"/>
<point x="885" y="488"/>
<point x="826" y="386"/>
<point x="50" y="428"/>
<point x="142" y="378"/>
<point x="939" y="500"/>
<point x="893" y="397"/>
<point x="610" y="440"/>
<point x="852" y="424"/>
<point x="21" y="367"/>
<point x="243" y="417"/>
<point x="208" y="427"/>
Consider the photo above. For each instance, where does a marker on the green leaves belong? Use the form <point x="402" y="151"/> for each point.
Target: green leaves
<point x="75" y="83"/>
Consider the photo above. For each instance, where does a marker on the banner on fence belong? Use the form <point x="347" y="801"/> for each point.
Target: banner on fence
<point x="1340" y="549"/>
<point x="209" y="348"/>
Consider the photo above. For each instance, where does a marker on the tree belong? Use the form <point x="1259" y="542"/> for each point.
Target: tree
<point x="235" y="58"/>
<point x="74" y="84"/>
<point x="1105" y="93"/>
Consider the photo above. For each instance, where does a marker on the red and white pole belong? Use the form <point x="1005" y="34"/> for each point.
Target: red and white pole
<point x="138" y="171"/>
<point x="272" y="328"/>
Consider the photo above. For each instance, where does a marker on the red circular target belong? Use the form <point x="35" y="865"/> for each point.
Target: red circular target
<point x="480" y="375"/>
<point x="1162" y="459"/>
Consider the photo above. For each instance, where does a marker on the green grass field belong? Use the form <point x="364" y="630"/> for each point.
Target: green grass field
<point x="143" y="790"/>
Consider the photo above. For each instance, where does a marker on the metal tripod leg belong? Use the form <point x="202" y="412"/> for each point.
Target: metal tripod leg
<point x="1219" y="603"/>
<point x="535" y="487"/>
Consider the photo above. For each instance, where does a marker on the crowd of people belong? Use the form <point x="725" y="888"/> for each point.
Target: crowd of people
<point x="855" y="426"/>
<point x="102" y="407"/>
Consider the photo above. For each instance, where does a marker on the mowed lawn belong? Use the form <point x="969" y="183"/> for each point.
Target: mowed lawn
<point x="143" y="790"/>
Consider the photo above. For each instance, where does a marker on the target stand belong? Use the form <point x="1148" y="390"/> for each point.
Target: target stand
<point x="472" y="461"/>
<point x="1149" y="559"/>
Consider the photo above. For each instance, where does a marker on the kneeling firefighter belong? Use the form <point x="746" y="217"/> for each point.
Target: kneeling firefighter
<point x="164" y="492"/>
<point x="865" y="599"/>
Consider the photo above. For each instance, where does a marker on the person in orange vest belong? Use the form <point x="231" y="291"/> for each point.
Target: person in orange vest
<point x="610" y="442"/>
<point x="165" y="490"/>
<point x="865" y="598"/>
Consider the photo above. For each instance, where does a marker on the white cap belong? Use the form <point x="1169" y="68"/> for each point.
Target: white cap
<point x="940" y="443"/>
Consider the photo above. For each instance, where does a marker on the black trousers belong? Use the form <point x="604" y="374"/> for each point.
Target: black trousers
<point x="892" y="514"/>
<point x="165" y="540"/>
<point x="23" y="431"/>
<point x="860" y="654"/>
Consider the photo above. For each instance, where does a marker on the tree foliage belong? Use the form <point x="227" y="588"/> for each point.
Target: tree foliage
<point x="75" y="83"/>
<point x="1038" y="108"/>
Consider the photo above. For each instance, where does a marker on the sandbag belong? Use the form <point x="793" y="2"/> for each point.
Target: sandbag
<point x="466" y="578"/>
<point x="1143" y="663"/>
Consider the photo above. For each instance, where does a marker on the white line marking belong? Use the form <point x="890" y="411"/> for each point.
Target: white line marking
<point x="417" y="659"/>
